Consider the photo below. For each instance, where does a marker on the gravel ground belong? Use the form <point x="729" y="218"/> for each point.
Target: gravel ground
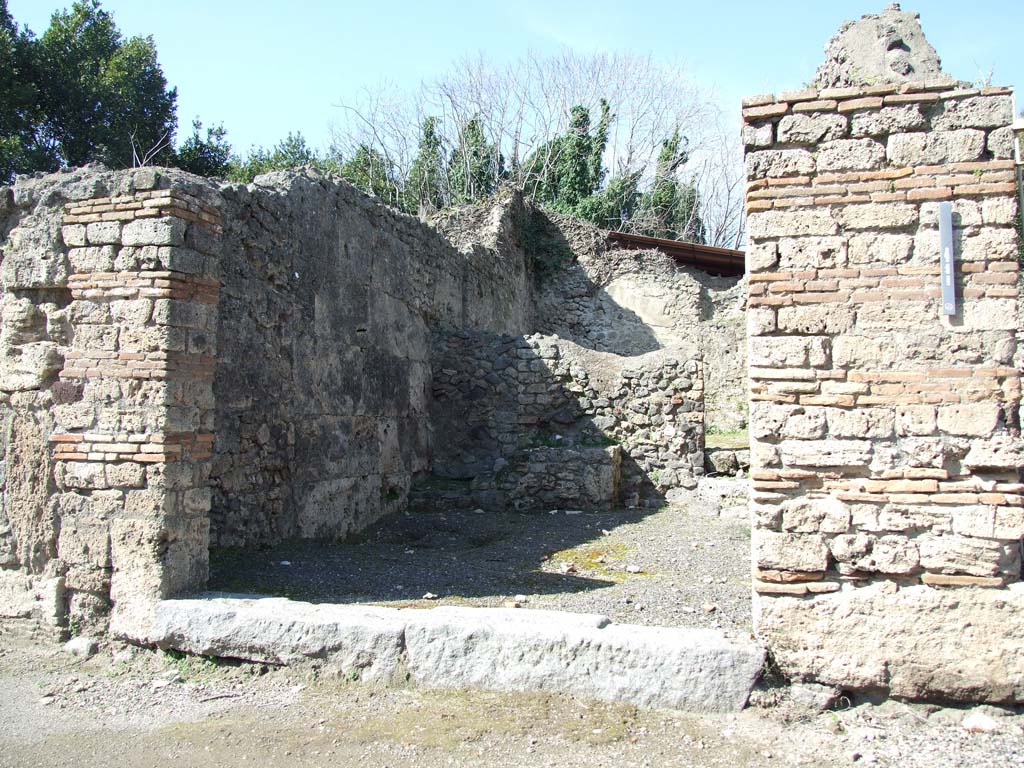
<point x="680" y="565"/>
<point x="131" y="707"/>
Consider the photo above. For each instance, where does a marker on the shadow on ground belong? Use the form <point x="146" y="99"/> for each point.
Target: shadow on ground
<point x="673" y="566"/>
<point x="451" y="554"/>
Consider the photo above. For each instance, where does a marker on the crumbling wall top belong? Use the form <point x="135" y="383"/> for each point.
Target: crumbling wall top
<point x="886" y="47"/>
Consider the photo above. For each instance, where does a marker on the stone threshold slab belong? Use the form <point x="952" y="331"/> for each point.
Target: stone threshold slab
<point x="501" y="649"/>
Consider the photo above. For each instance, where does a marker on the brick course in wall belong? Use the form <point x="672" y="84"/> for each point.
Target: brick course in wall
<point x="129" y="331"/>
<point x="886" y="449"/>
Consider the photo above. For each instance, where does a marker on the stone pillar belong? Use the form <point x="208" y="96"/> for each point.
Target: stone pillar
<point x="887" y="502"/>
<point x="133" y="405"/>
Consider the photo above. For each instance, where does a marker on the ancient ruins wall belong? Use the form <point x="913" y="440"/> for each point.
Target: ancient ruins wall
<point x="108" y="343"/>
<point x="887" y="498"/>
<point x="632" y="302"/>
<point x="540" y="422"/>
<point x="324" y="373"/>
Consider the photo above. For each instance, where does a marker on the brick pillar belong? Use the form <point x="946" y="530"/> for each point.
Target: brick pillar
<point x="887" y="501"/>
<point x="134" y="401"/>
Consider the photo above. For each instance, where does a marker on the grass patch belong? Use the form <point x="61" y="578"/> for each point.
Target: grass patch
<point x="603" y="558"/>
<point x="736" y="439"/>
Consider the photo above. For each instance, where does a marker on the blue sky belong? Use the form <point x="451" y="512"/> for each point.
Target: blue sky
<point x="267" y="68"/>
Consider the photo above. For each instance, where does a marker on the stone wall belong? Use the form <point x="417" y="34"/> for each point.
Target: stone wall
<point x="107" y="354"/>
<point x="187" y="364"/>
<point x="324" y="372"/>
<point x="886" y="451"/>
<point x="630" y="302"/>
<point x="540" y="422"/>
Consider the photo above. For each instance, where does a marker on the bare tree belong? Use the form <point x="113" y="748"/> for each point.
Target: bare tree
<point x="523" y="106"/>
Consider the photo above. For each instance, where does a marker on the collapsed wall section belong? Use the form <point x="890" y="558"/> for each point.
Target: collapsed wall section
<point x="886" y="450"/>
<point x="631" y="302"/>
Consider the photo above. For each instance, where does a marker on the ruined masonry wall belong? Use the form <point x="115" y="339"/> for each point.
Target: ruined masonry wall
<point x="324" y="374"/>
<point x="542" y="422"/>
<point x="886" y="451"/>
<point x="108" y="345"/>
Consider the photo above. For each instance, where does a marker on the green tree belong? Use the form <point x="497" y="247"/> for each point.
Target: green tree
<point x="102" y="97"/>
<point x="424" y="186"/>
<point x="568" y="170"/>
<point x="475" y="166"/>
<point x="614" y="206"/>
<point x="371" y="172"/>
<point x="670" y="208"/>
<point x="20" y="152"/>
<point x="290" y="152"/>
<point x="209" y="156"/>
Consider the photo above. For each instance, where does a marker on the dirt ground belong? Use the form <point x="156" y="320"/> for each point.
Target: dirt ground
<point x="677" y="565"/>
<point x="134" y="708"/>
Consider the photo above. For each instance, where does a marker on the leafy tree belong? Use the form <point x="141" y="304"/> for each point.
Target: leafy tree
<point x="102" y="97"/>
<point x="670" y="207"/>
<point x="19" y="103"/>
<point x="210" y="156"/>
<point x="614" y="206"/>
<point x="475" y="166"/>
<point x="290" y="152"/>
<point x="371" y="172"/>
<point x="570" y="169"/>
<point x="424" y="185"/>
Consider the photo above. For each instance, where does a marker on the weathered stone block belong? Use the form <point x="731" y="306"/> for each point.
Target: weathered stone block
<point x="760" y="321"/>
<point x="758" y="135"/>
<point x="828" y="319"/>
<point x="811" y="129"/>
<point x="761" y="257"/>
<point x="875" y="423"/>
<point x="872" y="248"/>
<point x="915" y="420"/>
<point x="85" y="475"/>
<point x="850" y="154"/>
<point x="878" y="216"/>
<point x="790" y="551"/>
<point x="974" y="112"/>
<point x="910" y="642"/>
<point x="773" y="224"/>
<point x="889" y="554"/>
<point x="970" y="419"/>
<point x="74" y="235"/>
<point x="103" y="233"/>
<point x="826" y="453"/>
<point x="872" y="122"/>
<point x="166" y="231"/>
<point x="95" y="258"/>
<point x="988" y="315"/>
<point x="789" y="352"/>
<point x="776" y="163"/>
<point x="1000" y="143"/>
<point x="812" y="253"/>
<point x="913" y="149"/>
<point x="961" y="554"/>
<point x="999" y="452"/>
<point x="1000" y="211"/>
<point x="812" y="515"/>
<point x="850" y="547"/>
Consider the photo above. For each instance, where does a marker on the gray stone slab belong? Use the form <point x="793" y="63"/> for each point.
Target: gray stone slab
<point x="279" y="631"/>
<point x="498" y="649"/>
<point x="690" y="669"/>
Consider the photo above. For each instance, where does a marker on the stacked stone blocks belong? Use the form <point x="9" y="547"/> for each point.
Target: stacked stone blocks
<point x="134" y="403"/>
<point x="885" y="437"/>
<point x="539" y="421"/>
